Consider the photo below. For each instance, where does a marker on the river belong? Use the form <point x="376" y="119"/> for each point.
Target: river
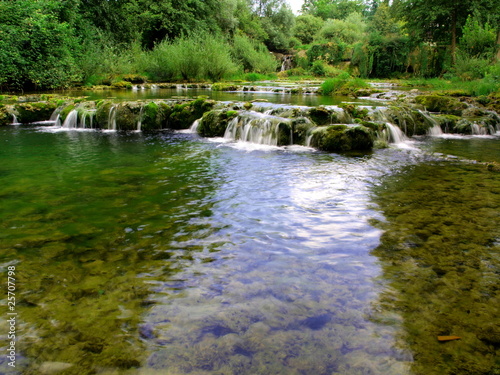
<point x="167" y="253"/>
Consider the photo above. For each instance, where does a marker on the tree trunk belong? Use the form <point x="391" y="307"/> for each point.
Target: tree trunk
<point x="454" y="37"/>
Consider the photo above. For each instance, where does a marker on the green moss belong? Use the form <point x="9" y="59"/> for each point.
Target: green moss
<point x="320" y="115"/>
<point x="151" y="117"/>
<point x="33" y="112"/>
<point x="354" y="110"/>
<point x="122" y="85"/>
<point x="439" y="254"/>
<point x="224" y="87"/>
<point x="301" y="130"/>
<point x="342" y="138"/>
<point x="65" y="112"/>
<point x="5" y="116"/>
<point x="183" y="115"/>
<point x="443" y="104"/>
<point x="214" y="123"/>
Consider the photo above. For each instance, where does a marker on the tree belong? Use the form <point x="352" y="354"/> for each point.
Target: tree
<point x="336" y="9"/>
<point x="306" y="27"/>
<point x="442" y="22"/>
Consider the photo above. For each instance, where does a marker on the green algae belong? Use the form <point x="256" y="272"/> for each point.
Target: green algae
<point x="440" y="258"/>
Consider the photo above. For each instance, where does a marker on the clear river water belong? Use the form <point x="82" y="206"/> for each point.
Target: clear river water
<point x="167" y="253"/>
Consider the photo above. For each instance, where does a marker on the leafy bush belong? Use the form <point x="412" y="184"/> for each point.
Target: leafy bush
<point x="253" y="56"/>
<point x="318" y="68"/>
<point x="478" y="40"/>
<point x="306" y="27"/>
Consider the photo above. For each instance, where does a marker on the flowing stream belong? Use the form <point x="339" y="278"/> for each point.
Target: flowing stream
<point x="167" y="253"/>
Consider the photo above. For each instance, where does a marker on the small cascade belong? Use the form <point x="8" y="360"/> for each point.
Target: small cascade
<point x="15" y="121"/>
<point x="87" y="119"/>
<point x="479" y="130"/>
<point x="71" y="121"/>
<point x="55" y="117"/>
<point x="395" y="134"/>
<point x="139" y="121"/>
<point x="255" y="127"/>
<point x="112" y="118"/>
<point x="194" y="127"/>
<point x="435" y="131"/>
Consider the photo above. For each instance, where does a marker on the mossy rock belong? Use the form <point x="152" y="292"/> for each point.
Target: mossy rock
<point x="447" y="122"/>
<point x="224" y="87"/>
<point x="410" y="121"/>
<point x="285" y="136"/>
<point x="442" y="104"/>
<point x="34" y="112"/>
<point x="102" y="114"/>
<point x="122" y="85"/>
<point x="183" y="115"/>
<point x="302" y="128"/>
<point x="355" y="111"/>
<point x="65" y="112"/>
<point x="342" y="138"/>
<point x="320" y="116"/>
<point x="151" y="118"/>
<point x="127" y="115"/>
<point x="5" y="116"/>
<point x="214" y="123"/>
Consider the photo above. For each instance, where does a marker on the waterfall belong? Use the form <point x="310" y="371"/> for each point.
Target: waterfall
<point x="396" y="135"/>
<point x="139" y="121"/>
<point x="435" y="131"/>
<point x="256" y="127"/>
<point x="478" y="130"/>
<point x="14" y="120"/>
<point x="112" y="118"/>
<point x="194" y="127"/>
<point x="87" y="124"/>
<point x="71" y="120"/>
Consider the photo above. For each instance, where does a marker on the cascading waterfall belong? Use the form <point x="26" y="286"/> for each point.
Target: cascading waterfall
<point x="436" y="128"/>
<point x="395" y="134"/>
<point x="255" y="127"/>
<point x="112" y="118"/>
<point x="479" y="130"/>
<point x="194" y="127"/>
<point x="15" y="121"/>
<point x="139" y="121"/>
<point x="87" y="119"/>
<point x="71" y="121"/>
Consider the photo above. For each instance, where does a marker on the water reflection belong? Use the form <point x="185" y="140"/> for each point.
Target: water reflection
<point x="290" y="290"/>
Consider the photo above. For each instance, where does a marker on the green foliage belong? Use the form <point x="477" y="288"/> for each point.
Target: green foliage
<point x="253" y="56"/>
<point x="349" y="31"/>
<point x="343" y="84"/>
<point x="470" y="68"/>
<point x="478" y="41"/>
<point x="318" y="68"/>
<point x="338" y="9"/>
<point x="38" y="47"/>
<point x="331" y="52"/>
<point x="306" y="27"/>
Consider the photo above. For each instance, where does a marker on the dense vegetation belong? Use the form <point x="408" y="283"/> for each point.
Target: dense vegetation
<point x="47" y="44"/>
